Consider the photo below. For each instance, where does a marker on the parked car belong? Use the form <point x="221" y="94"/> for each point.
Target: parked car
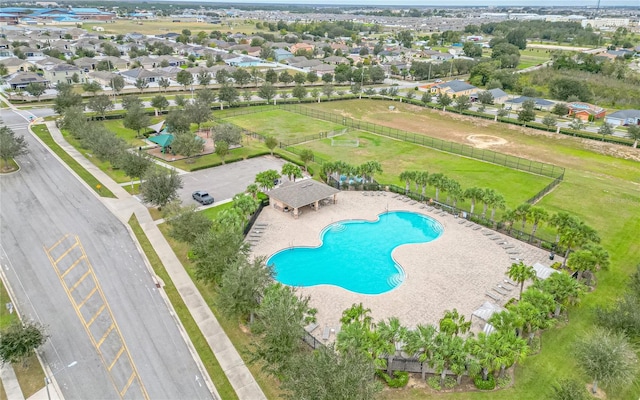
<point x="202" y="197"/>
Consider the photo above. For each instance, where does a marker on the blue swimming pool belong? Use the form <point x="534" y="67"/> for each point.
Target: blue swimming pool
<point x="356" y="254"/>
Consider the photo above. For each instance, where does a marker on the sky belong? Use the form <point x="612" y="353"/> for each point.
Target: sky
<point x="444" y="3"/>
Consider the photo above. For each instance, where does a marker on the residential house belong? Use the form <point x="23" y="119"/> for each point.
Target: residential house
<point x="301" y="47"/>
<point x="390" y="55"/>
<point x="541" y="104"/>
<point x="307" y="64"/>
<point x="585" y="111"/>
<point x="454" y="88"/>
<point x="86" y="63"/>
<point x="133" y="75"/>
<point x="15" y="64"/>
<point x="624" y="118"/>
<point x="336" y="60"/>
<point x="323" y="69"/>
<point x="63" y="73"/>
<point x="173" y="61"/>
<point x="295" y="60"/>
<point x="244" y="61"/>
<point x="116" y="62"/>
<point x="171" y="72"/>
<point x="47" y="62"/>
<point x="21" y="79"/>
<point x="282" y="54"/>
<point x="499" y="96"/>
<point x="102" y="77"/>
<point x="442" y="57"/>
<point x="31" y="52"/>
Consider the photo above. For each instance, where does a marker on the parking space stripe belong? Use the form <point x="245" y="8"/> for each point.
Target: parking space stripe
<point x="102" y="304"/>
<point x="76" y="262"/>
<point x="66" y="252"/>
<point x="79" y="281"/>
<point x="104" y="337"/>
<point x="95" y="289"/>
<point x="96" y="315"/>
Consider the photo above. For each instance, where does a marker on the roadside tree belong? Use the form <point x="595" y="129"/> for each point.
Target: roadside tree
<point x="100" y="104"/>
<point x="160" y="186"/>
<point x="11" y="146"/>
<point x="19" y="341"/>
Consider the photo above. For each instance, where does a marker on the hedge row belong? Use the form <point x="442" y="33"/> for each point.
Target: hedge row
<point x="216" y="164"/>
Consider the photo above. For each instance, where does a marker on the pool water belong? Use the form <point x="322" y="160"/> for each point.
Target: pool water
<point x="356" y="254"/>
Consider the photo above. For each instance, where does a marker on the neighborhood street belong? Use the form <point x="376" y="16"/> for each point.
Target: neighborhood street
<point x="72" y="266"/>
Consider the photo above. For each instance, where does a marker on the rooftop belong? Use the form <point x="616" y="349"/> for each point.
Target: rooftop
<point x="302" y="193"/>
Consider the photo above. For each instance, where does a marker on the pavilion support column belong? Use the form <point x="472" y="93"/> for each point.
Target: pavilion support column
<point x="316" y="205"/>
<point x="295" y="213"/>
<point x="335" y="199"/>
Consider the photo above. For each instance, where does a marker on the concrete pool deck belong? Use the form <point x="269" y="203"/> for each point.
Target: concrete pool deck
<point x="453" y="271"/>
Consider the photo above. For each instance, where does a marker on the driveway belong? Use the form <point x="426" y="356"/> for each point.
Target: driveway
<point x="226" y="181"/>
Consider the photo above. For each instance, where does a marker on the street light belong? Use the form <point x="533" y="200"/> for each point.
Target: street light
<point x="47" y="380"/>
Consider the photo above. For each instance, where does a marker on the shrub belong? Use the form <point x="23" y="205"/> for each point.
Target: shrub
<point x="503" y="382"/>
<point x="489" y="384"/>
<point x="449" y="382"/>
<point x="259" y="154"/>
<point x="434" y="382"/>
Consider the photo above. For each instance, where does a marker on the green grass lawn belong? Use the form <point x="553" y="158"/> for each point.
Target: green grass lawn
<point x="250" y="147"/>
<point x="283" y="125"/>
<point x="209" y="360"/>
<point x="115" y="125"/>
<point x="531" y="57"/>
<point x="212" y="212"/>
<point x="43" y="133"/>
<point x="116" y="174"/>
<point x="396" y="156"/>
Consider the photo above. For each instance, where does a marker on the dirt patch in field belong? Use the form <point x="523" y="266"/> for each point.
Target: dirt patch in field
<point x="485" y="141"/>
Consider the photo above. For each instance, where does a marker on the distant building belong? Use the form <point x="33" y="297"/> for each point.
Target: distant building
<point x="454" y="88"/>
<point x="584" y="111"/>
<point x="598" y="23"/>
<point x="624" y="118"/>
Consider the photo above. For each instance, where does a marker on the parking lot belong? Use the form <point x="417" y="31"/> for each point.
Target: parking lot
<point x="226" y="181"/>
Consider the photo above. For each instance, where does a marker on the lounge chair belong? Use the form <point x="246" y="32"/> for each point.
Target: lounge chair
<point x="260" y="224"/>
<point x="513" y="252"/>
<point x="406" y="199"/>
<point x="365" y="193"/>
<point x="509" y="246"/>
<point x="462" y="221"/>
<point x="494" y="296"/>
<point x="510" y="282"/>
<point x="311" y="327"/>
<point x="500" y="291"/>
<point x="487" y="233"/>
<point x="469" y="224"/>
<point x="423" y="206"/>
<point x="505" y="287"/>
<point x="326" y="332"/>
<point x="395" y="196"/>
<point x="495" y="238"/>
<point x="516" y="259"/>
<point x="412" y="203"/>
<point x="477" y="228"/>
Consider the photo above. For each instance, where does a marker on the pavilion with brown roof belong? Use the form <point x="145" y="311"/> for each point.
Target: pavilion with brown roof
<point x="295" y="195"/>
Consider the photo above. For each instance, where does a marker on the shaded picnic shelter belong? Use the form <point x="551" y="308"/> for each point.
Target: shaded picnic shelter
<point x="162" y="140"/>
<point x="295" y="195"/>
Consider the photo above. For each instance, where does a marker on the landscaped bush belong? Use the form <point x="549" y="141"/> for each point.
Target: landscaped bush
<point x="489" y="384"/>
<point x="400" y="379"/>
<point x="449" y="382"/>
<point x="503" y="382"/>
<point x="260" y="154"/>
<point x="216" y="164"/>
<point x="434" y="382"/>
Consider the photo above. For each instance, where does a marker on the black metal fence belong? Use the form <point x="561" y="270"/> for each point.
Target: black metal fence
<point x="522" y="164"/>
<point x="255" y="216"/>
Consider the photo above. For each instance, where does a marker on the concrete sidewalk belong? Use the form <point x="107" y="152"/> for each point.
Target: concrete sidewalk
<point x="123" y="207"/>
<point x="10" y="382"/>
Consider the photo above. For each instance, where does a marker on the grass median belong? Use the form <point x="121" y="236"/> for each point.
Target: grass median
<point x="43" y="133"/>
<point x="31" y="377"/>
<point x="209" y="360"/>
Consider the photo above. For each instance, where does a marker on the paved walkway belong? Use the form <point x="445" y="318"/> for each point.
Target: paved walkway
<point x="123" y="207"/>
<point x="10" y="383"/>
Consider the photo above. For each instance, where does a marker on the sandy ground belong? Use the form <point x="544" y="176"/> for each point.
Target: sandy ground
<point x="453" y="271"/>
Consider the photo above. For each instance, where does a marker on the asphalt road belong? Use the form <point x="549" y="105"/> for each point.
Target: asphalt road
<point x="227" y="180"/>
<point x="111" y="334"/>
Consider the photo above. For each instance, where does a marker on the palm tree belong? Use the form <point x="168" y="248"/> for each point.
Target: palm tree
<point x="510" y="350"/>
<point x="564" y="289"/>
<point x="447" y="350"/>
<point x="407" y="177"/>
<point x="253" y="190"/>
<point x="487" y="199"/>
<point x="421" y="342"/>
<point x="474" y="194"/>
<point x="391" y="334"/>
<point x="561" y="220"/>
<point x="522" y="212"/>
<point x="509" y="218"/>
<point x="328" y="168"/>
<point x="577" y="234"/>
<point x="483" y="348"/>
<point x="454" y="323"/>
<point x="581" y="261"/>
<point x="422" y="179"/>
<point x="600" y="255"/>
<point x="497" y="202"/>
<point x="507" y="322"/>
<point x="456" y="192"/>
<point x="437" y="181"/>
<point x="536" y="215"/>
<point x="520" y="273"/>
